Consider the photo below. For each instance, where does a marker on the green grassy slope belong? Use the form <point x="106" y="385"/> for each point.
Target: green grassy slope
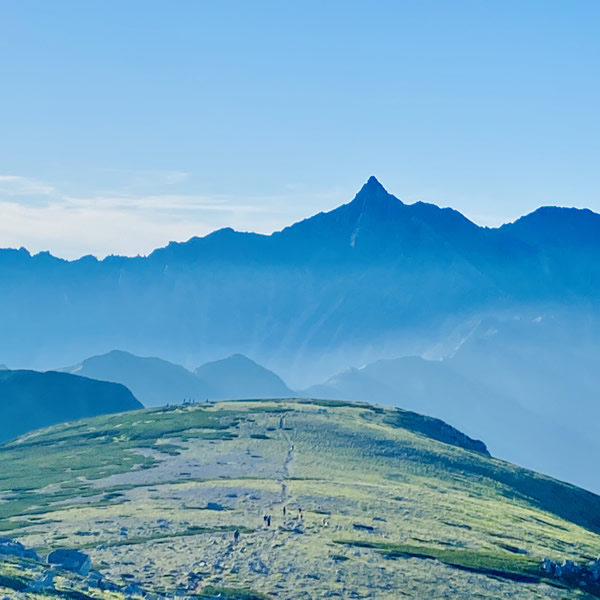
<point x="389" y="509"/>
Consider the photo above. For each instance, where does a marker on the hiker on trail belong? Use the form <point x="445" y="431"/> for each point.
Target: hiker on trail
<point x="269" y="521"/>
<point x="236" y="536"/>
<point x="284" y="511"/>
<point x="300" y="515"/>
<point x="265" y="520"/>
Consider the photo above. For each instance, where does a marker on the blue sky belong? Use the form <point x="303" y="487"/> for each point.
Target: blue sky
<point x="126" y="124"/>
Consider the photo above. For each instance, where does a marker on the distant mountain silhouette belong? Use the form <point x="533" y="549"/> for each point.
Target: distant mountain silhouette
<point x="518" y="384"/>
<point x="299" y="293"/>
<point x="238" y="377"/>
<point x="554" y="226"/>
<point x="156" y="382"/>
<point x="373" y="277"/>
<point x="30" y="399"/>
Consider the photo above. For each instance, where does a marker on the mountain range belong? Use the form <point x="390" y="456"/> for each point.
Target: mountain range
<point x="371" y="279"/>
<point x="489" y="388"/>
<point x="502" y="324"/>
<point x="157" y="382"/>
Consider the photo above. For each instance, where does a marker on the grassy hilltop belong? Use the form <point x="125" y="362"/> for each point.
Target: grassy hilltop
<point x="393" y="505"/>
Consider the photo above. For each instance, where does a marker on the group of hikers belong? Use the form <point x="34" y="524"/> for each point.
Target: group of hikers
<point x="267" y="521"/>
<point x="267" y="518"/>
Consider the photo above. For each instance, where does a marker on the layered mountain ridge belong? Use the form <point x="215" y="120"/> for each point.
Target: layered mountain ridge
<point x="157" y="382"/>
<point x="301" y="295"/>
<point x="374" y="279"/>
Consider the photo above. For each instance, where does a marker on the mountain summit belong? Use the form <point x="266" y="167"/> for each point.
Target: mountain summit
<point x="373" y="190"/>
<point x="329" y="291"/>
<point x="374" y="199"/>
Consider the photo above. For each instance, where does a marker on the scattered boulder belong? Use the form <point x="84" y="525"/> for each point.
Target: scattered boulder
<point x="256" y="565"/>
<point x="361" y="527"/>
<point x="134" y="589"/>
<point x="71" y="560"/>
<point x="102" y="583"/>
<point x="42" y="585"/>
<point x="9" y="547"/>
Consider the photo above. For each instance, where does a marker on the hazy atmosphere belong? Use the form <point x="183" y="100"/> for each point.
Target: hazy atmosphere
<point x="299" y="300"/>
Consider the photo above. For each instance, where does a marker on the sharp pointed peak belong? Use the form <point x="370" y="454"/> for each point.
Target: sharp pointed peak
<point x="373" y="194"/>
<point x="373" y="184"/>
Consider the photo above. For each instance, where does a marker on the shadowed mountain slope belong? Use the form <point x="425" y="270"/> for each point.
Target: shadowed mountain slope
<point x="29" y="400"/>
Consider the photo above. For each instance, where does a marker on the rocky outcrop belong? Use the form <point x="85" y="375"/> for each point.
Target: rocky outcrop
<point x="70" y="560"/>
<point x="586" y="576"/>
<point x="9" y="547"/>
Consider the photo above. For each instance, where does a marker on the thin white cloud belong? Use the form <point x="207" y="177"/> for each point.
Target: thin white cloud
<point x="70" y="226"/>
<point x="16" y="185"/>
<point x="175" y="177"/>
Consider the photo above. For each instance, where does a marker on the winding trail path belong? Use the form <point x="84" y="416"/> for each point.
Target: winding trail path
<point x="288" y="463"/>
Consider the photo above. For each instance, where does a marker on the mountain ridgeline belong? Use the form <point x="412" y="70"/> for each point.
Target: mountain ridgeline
<point x="29" y="400"/>
<point x="510" y="315"/>
<point x="156" y="382"/>
<point x="341" y="287"/>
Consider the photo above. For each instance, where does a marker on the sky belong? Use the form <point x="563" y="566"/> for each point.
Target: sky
<point x="127" y="124"/>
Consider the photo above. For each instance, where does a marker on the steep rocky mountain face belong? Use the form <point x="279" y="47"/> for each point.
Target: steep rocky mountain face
<point x="371" y="279"/>
<point x="29" y="400"/>
<point x="285" y="499"/>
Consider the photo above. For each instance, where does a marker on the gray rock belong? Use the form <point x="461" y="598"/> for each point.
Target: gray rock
<point x="135" y="589"/>
<point x="71" y="560"/>
<point x="13" y="548"/>
<point x="362" y="527"/>
<point x="547" y="565"/>
<point x="569" y="567"/>
<point x="46" y="583"/>
<point x="256" y="565"/>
